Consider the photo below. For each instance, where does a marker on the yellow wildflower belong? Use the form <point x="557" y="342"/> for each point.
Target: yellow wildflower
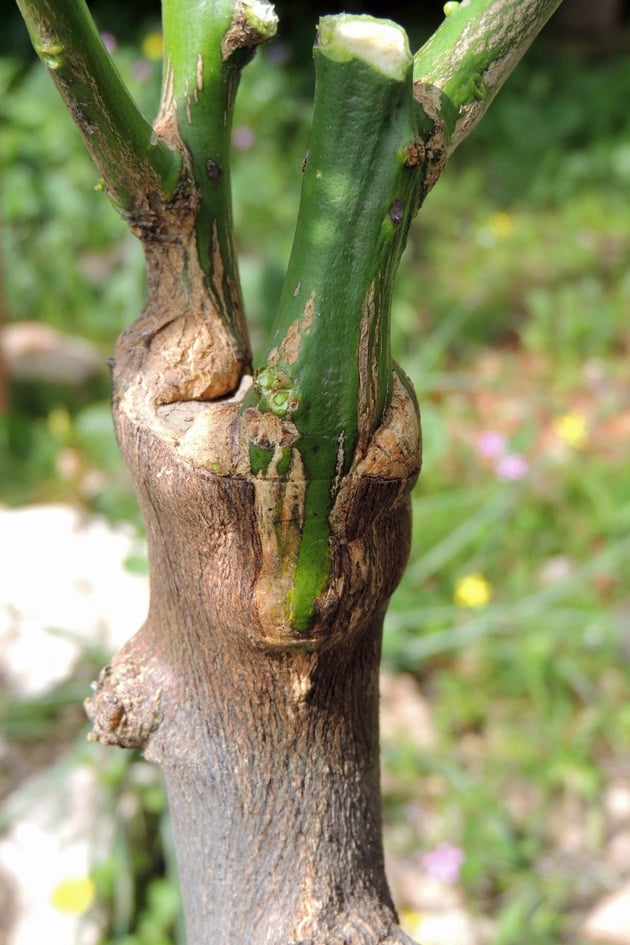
<point x="472" y="590"/>
<point x="59" y="423"/>
<point x="571" y="427"/>
<point x="411" y="920"/>
<point x="152" y="45"/>
<point x="74" y="894"/>
<point x="501" y="224"/>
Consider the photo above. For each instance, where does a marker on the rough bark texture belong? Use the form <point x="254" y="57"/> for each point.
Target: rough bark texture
<point x="268" y="737"/>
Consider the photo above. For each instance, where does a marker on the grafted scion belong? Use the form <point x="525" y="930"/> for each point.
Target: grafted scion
<point x="328" y="365"/>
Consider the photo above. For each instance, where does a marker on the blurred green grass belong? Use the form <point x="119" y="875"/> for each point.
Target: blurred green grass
<point x="511" y="319"/>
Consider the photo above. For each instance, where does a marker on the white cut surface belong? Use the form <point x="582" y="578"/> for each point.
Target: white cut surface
<point x="262" y="15"/>
<point x="382" y="45"/>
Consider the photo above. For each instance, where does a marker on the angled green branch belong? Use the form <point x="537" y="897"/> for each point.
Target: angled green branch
<point x="460" y="69"/>
<point x="173" y="172"/>
<point x="120" y="140"/>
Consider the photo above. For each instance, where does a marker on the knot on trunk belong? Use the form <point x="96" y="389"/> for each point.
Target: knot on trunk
<point x="126" y="707"/>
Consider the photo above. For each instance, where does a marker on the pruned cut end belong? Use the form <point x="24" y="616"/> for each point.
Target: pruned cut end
<point x="382" y="44"/>
<point x="254" y="22"/>
<point x="261" y="16"/>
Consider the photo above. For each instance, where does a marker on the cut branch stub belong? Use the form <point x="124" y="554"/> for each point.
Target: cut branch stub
<point x="328" y="369"/>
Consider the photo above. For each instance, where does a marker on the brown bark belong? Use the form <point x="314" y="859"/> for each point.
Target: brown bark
<point x="268" y="737"/>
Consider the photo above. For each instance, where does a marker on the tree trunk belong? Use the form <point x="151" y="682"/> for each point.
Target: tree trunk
<point x="268" y="737"/>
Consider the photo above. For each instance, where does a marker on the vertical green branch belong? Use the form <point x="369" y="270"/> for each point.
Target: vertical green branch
<point x="206" y="44"/>
<point x="328" y="369"/>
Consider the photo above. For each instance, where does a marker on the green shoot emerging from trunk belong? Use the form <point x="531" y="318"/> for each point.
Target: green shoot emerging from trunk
<point x="328" y="371"/>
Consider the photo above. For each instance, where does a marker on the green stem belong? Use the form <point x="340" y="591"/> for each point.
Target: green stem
<point x="206" y="44"/>
<point x="329" y="367"/>
<point x="122" y="143"/>
<point x="463" y="65"/>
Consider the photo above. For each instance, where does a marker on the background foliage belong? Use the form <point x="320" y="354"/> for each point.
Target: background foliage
<point x="511" y="318"/>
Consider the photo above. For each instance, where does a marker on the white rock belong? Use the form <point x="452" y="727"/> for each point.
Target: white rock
<point x="64" y="584"/>
<point x="617" y="800"/>
<point x="609" y="922"/>
<point x="34" y="351"/>
<point x="48" y="843"/>
<point x="617" y="854"/>
<point x="451" y="927"/>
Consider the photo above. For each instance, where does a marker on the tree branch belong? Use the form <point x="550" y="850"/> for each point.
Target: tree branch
<point x="328" y="371"/>
<point x="120" y="140"/>
<point x="460" y="69"/>
<point x="206" y="45"/>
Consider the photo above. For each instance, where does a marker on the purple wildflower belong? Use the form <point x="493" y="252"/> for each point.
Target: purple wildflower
<point x="511" y="467"/>
<point x="490" y="444"/>
<point x="109" y="42"/>
<point x="243" y="137"/>
<point x="444" y="863"/>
